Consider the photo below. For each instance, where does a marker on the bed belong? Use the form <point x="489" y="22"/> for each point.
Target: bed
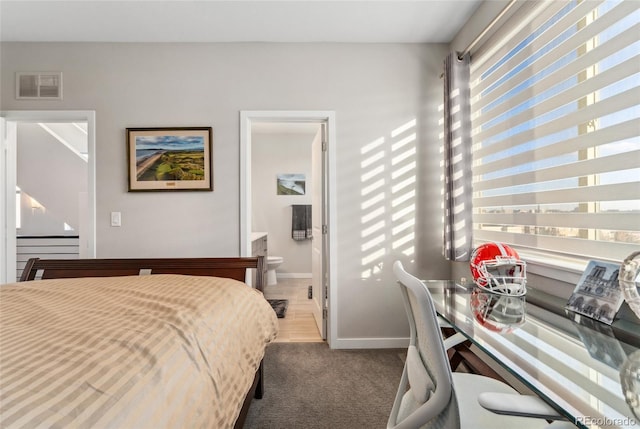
<point x="132" y="343"/>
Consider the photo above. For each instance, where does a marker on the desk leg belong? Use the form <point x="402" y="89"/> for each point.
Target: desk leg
<point x="462" y="354"/>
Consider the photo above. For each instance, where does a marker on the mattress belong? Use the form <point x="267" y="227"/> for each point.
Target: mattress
<point x="156" y="351"/>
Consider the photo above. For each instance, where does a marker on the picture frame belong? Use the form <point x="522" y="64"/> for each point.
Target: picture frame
<point x="291" y="184"/>
<point x="170" y="159"/>
<point x="597" y="294"/>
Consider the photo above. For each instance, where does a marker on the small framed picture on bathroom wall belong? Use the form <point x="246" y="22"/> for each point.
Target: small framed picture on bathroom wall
<point x="291" y="184"/>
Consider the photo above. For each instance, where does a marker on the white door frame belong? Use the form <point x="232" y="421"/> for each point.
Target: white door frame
<point x="8" y="165"/>
<point x="319" y="280"/>
<point x="247" y="118"/>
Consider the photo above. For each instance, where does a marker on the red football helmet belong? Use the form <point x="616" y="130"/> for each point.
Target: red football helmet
<point x="497" y="268"/>
<point x="497" y="313"/>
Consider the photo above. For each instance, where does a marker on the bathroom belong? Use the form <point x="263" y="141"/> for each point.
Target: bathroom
<point x="278" y="150"/>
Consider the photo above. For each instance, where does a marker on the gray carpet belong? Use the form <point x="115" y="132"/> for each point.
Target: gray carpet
<point x="309" y="386"/>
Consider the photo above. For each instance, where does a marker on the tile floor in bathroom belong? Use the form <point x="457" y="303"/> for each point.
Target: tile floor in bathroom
<point x="298" y="324"/>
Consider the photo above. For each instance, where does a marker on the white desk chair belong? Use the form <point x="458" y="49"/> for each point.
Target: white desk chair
<point x="431" y="396"/>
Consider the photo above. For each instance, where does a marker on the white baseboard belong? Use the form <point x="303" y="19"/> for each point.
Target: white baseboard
<point x="293" y="275"/>
<point x="370" y="343"/>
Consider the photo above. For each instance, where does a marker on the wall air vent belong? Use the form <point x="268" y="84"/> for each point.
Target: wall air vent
<point x="39" y="85"/>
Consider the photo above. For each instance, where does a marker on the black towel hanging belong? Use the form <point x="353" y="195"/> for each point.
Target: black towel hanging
<point x="301" y="222"/>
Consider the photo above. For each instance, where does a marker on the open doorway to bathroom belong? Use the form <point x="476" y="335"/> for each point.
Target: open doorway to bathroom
<point x="285" y="197"/>
<point x="282" y="185"/>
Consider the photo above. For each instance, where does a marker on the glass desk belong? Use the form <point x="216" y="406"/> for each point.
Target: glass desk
<point x="578" y="366"/>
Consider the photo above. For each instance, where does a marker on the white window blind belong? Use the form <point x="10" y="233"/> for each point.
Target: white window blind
<point x="555" y="105"/>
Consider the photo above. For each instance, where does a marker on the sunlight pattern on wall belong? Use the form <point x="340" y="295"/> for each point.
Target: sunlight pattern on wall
<point x="388" y="198"/>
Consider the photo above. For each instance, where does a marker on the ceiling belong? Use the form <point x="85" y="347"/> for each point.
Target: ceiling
<point x="348" y="21"/>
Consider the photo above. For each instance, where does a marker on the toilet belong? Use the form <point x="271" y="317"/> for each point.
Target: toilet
<point x="273" y="262"/>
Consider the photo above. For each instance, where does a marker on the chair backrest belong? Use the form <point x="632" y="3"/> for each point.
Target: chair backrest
<point x="427" y="371"/>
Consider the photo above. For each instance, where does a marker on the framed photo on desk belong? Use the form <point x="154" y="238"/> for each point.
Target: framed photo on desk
<point x="597" y="294"/>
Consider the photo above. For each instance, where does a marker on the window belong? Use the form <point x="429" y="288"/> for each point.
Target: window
<point x="555" y="107"/>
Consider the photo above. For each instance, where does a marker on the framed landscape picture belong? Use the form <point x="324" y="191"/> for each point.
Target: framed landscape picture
<point x="170" y="159"/>
<point x="291" y="184"/>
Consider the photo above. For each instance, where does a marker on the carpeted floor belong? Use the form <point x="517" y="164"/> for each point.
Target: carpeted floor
<point x="309" y="386"/>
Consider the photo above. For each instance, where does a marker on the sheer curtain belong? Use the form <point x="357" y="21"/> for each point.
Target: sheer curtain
<point x="458" y="226"/>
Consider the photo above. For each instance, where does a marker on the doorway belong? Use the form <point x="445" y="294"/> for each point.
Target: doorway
<point x="321" y="180"/>
<point x="51" y="124"/>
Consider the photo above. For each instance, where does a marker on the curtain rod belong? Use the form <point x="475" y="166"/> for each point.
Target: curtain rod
<point x="487" y="29"/>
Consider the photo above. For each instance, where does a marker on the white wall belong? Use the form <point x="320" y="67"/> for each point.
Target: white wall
<point x="273" y="154"/>
<point x="39" y="221"/>
<point x="374" y="89"/>
<point x="52" y="174"/>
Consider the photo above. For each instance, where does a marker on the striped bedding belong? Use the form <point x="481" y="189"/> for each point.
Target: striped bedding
<point x="158" y="351"/>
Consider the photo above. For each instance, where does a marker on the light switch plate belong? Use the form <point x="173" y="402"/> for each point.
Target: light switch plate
<point x="116" y="219"/>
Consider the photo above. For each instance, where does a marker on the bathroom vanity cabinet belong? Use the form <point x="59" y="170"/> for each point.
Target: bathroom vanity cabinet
<point x="259" y="248"/>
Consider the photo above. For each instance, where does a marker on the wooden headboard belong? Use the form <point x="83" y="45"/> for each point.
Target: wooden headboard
<point x="234" y="268"/>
